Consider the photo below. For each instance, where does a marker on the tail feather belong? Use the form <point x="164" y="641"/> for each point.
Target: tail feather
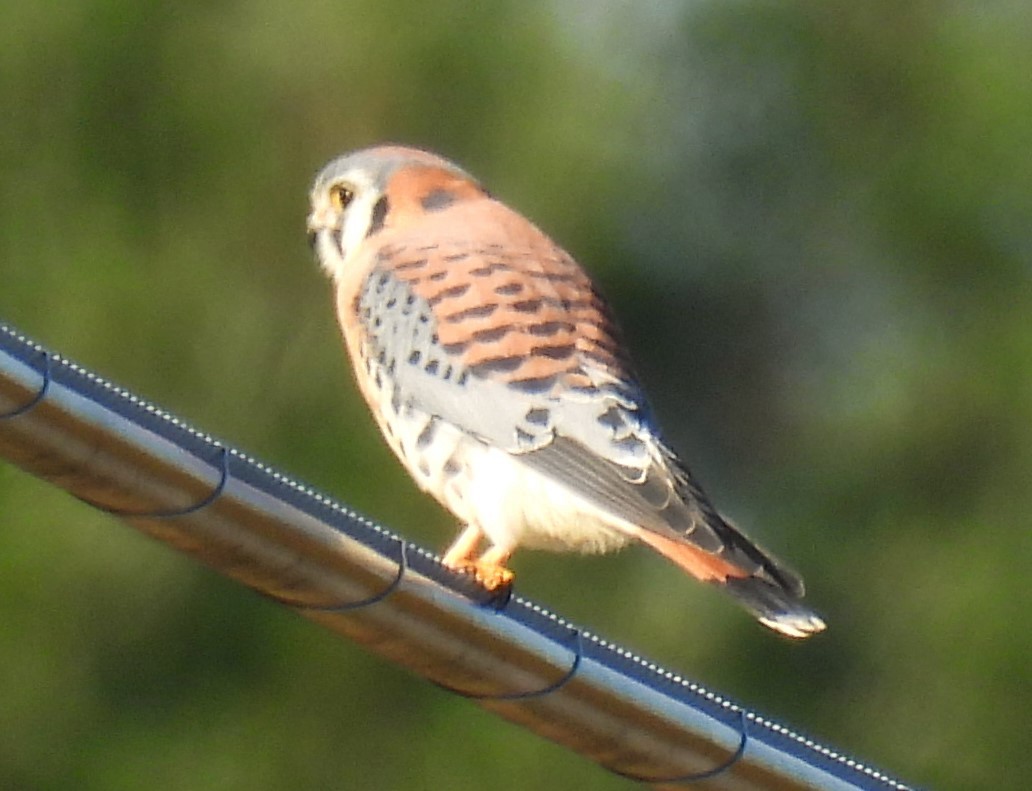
<point x="774" y="607"/>
<point x="761" y="584"/>
<point x="769" y="589"/>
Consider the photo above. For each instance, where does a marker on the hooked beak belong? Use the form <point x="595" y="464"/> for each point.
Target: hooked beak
<point x="315" y="222"/>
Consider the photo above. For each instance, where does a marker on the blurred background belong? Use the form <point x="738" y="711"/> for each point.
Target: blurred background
<point x="815" y="221"/>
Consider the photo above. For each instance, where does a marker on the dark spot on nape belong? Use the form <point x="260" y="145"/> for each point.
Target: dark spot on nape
<point x="379" y="216"/>
<point x="415" y="357"/>
<point x="496" y="365"/>
<point x="451" y="467"/>
<point x="438" y="199"/>
<point x="432" y="367"/>
<point x="537" y="416"/>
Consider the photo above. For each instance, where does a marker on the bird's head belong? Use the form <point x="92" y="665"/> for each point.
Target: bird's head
<point x="360" y="194"/>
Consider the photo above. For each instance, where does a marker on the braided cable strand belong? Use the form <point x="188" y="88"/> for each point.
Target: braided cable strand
<point x="300" y="527"/>
<point x="707" y="774"/>
<point x="40" y="394"/>
<point x="207" y="500"/>
<point x="376" y="598"/>
<point x="548" y="689"/>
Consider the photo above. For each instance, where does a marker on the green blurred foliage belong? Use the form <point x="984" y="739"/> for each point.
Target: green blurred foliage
<point x="815" y="220"/>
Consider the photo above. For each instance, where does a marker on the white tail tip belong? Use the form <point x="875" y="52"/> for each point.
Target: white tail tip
<point x="797" y="626"/>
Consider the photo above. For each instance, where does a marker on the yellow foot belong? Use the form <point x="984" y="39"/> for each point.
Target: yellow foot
<point x="492" y="576"/>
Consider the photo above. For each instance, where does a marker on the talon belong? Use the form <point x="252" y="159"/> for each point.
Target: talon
<point x="491" y="576"/>
<point x="489" y="569"/>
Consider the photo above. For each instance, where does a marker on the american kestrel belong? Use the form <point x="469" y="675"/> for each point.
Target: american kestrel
<point x="497" y="375"/>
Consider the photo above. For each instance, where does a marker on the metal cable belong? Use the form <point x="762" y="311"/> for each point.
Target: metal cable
<point x="304" y="550"/>
<point x="698" y="777"/>
<point x="38" y="396"/>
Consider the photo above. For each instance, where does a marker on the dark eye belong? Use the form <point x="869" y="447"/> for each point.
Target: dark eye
<point x="340" y="196"/>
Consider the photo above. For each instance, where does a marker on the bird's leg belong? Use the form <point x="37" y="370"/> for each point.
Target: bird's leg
<point x="489" y="569"/>
<point x="459" y="556"/>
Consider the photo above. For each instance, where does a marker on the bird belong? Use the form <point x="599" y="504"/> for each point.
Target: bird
<point x="497" y="374"/>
